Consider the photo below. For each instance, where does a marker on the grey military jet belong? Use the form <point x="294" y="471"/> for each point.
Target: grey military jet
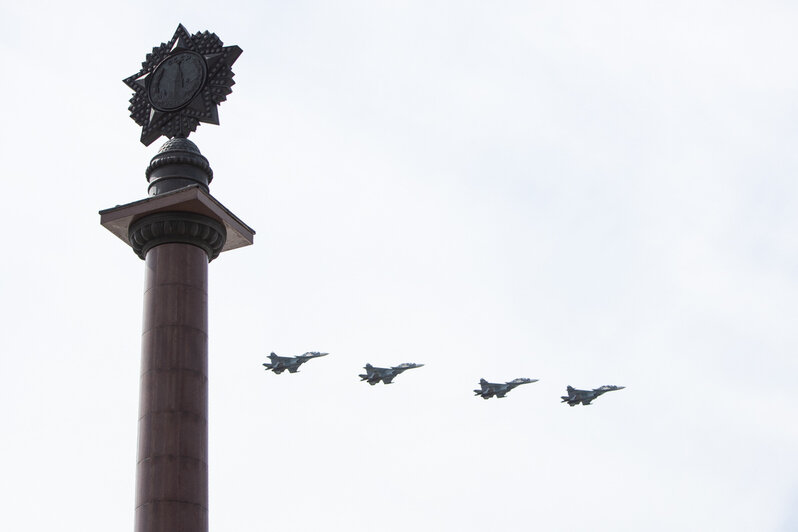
<point x="575" y="397"/>
<point x="279" y="364"/>
<point x="386" y="375"/>
<point x="498" y="389"/>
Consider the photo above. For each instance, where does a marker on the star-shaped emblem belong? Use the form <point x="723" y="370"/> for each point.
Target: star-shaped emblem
<point x="180" y="84"/>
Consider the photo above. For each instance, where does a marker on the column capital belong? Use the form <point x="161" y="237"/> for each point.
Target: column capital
<point x="122" y="220"/>
<point x="177" y="228"/>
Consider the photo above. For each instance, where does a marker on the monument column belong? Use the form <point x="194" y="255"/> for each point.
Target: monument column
<point x="172" y="461"/>
<point x="177" y="230"/>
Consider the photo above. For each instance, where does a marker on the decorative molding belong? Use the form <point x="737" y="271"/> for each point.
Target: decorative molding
<point x="178" y="164"/>
<point x="177" y="228"/>
<point x="194" y="160"/>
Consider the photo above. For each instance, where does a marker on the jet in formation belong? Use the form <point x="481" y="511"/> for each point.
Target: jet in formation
<point x="279" y="364"/>
<point x="386" y="375"/>
<point x="575" y="397"/>
<point x="498" y="389"/>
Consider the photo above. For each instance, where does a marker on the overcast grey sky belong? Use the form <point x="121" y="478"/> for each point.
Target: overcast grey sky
<point x="584" y="193"/>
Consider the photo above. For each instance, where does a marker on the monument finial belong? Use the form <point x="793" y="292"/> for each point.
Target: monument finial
<point x="180" y="84"/>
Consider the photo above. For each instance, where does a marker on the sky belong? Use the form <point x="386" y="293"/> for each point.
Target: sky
<point x="583" y="193"/>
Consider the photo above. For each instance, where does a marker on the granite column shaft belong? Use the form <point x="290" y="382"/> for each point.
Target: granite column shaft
<point x="172" y="462"/>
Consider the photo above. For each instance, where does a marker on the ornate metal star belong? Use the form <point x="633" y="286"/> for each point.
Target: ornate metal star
<point x="180" y="84"/>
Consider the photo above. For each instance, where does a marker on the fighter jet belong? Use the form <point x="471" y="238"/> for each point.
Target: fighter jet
<point x="497" y="389"/>
<point x="279" y="364"/>
<point x="386" y="375"/>
<point x="575" y="397"/>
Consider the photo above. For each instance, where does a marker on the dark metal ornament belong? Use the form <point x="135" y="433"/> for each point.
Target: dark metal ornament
<point x="180" y="84"/>
<point x="177" y="228"/>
